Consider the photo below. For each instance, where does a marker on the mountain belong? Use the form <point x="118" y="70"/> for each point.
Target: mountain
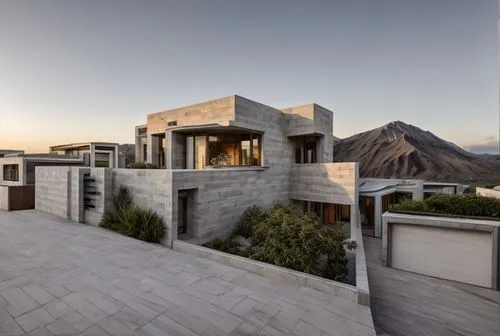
<point x="127" y="150"/>
<point x="399" y="150"/>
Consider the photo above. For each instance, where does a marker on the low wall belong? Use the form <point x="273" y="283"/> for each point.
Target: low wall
<point x="487" y="192"/>
<point x="4" y="198"/>
<point x="458" y="249"/>
<point x="52" y="190"/>
<point x="275" y="272"/>
<point x="362" y="285"/>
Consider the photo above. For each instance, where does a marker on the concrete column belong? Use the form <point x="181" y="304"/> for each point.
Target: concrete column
<point x="92" y="156"/>
<point x="168" y="149"/>
<point x="116" y="163"/>
<point x="354" y="220"/>
<point x="152" y="144"/>
<point x="138" y="148"/>
<point x="378" y="216"/>
<point x="418" y="192"/>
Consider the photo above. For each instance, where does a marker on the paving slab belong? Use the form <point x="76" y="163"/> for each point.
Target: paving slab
<point x="62" y="278"/>
<point x="405" y="303"/>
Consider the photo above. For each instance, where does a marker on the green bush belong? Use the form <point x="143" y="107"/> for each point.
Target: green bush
<point x="288" y="238"/>
<point x="333" y="243"/>
<point x="141" y="165"/>
<point x="133" y="221"/>
<point x="225" y="244"/>
<point x="250" y="217"/>
<point x="463" y="205"/>
<point x="284" y="236"/>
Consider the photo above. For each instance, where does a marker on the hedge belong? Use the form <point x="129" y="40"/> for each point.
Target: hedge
<point x="462" y="205"/>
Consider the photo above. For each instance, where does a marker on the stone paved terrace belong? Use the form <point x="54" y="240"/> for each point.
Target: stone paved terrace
<point x="408" y="304"/>
<point x="63" y="278"/>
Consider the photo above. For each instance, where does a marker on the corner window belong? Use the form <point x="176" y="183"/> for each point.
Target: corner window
<point x="11" y="172"/>
<point x="228" y="149"/>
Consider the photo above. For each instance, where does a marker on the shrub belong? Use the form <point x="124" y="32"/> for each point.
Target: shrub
<point x="464" y="205"/>
<point x="141" y="165"/>
<point x="133" y="221"/>
<point x="146" y="225"/>
<point x="334" y="244"/>
<point x="286" y="237"/>
<point x="250" y="217"/>
<point x="290" y="239"/>
<point x="225" y="244"/>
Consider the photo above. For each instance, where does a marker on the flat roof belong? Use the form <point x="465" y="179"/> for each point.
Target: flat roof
<point x="81" y="144"/>
<point x="369" y="185"/>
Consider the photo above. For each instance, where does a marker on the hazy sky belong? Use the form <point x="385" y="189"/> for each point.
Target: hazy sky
<point x="91" y="70"/>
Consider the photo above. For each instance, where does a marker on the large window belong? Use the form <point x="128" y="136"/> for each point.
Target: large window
<point x="223" y="150"/>
<point x="11" y="172"/>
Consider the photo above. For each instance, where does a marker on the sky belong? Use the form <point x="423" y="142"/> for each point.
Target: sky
<point x="73" y="71"/>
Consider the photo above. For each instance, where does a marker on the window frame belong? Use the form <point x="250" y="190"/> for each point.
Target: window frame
<point x="10" y="173"/>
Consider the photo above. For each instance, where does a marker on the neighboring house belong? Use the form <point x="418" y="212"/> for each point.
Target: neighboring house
<point x="19" y="169"/>
<point x="376" y="195"/>
<point x="94" y="154"/>
<point x="4" y="152"/>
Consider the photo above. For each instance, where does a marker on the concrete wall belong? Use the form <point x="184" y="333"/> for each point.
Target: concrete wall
<point x="4" y="198"/>
<point x="487" y="192"/>
<point x="277" y="148"/>
<point x="325" y="182"/>
<point x="52" y="190"/>
<point x="219" y="111"/>
<point x="463" y="250"/>
<point x="221" y="195"/>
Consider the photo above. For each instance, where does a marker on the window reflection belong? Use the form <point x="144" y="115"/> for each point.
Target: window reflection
<point x="218" y="150"/>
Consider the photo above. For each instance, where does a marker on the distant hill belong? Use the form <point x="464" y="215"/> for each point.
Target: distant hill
<point x="127" y="150"/>
<point x="399" y="150"/>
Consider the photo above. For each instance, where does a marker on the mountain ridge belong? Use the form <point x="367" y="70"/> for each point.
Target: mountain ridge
<point x="400" y="150"/>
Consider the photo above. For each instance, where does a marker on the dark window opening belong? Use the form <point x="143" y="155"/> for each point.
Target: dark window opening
<point x="11" y="172"/>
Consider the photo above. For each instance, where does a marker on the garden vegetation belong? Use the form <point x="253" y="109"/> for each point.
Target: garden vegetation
<point x="462" y="205"/>
<point x="131" y="220"/>
<point x="284" y="236"/>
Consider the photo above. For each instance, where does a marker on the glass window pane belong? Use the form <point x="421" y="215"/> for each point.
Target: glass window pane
<point x="245" y="152"/>
<point x="256" y="150"/>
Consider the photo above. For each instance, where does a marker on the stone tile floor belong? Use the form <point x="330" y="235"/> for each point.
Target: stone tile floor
<point x="63" y="278"/>
<point x="409" y="304"/>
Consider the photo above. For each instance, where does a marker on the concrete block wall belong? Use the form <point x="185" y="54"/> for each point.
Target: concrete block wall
<point x="4" y="198"/>
<point x="219" y="111"/>
<point x="325" y="182"/>
<point x="488" y="192"/>
<point x="277" y="148"/>
<point x="52" y="185"/>
<point x="76" y="193"/>
<point x="223" y="194"/>
<point x="299" y="120"/>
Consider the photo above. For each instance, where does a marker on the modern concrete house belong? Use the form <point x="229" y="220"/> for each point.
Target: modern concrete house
<point x="376" y="195"/>
<point x="219" y="157"/>
<point x="237" y="133"/>
<point x="94" y="154"/>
